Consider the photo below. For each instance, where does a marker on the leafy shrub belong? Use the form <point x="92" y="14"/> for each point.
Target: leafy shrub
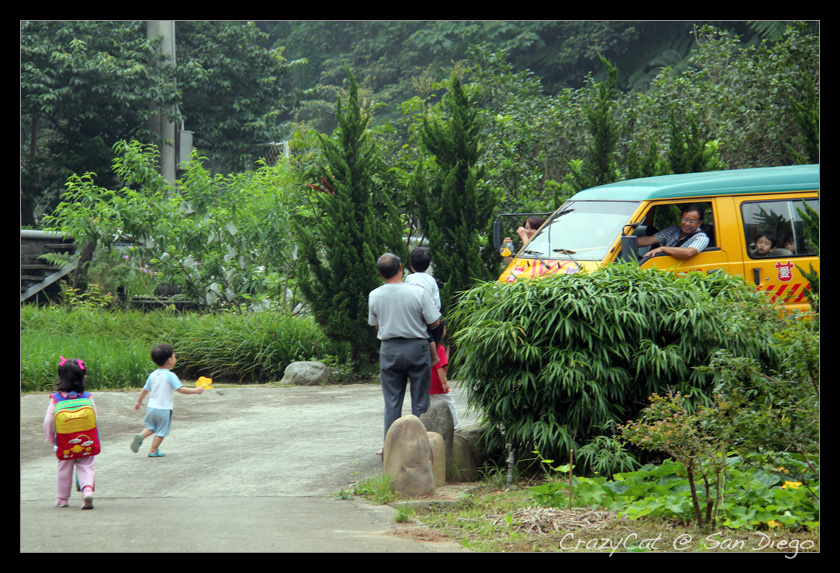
<point x="554" y="362"/>
<point x="752" y="500"/>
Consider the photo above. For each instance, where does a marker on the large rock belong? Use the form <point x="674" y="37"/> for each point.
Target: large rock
<point x="407" y="457"/>
<point x="464" y="461"/>
<point x="438" y="458"/>
<point x="438" y="419"/>
<point x="305" y="374"/>
<point x="468" y="453"/>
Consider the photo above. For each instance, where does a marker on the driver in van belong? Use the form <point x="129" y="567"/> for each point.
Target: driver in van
<point x="683" y="241"/>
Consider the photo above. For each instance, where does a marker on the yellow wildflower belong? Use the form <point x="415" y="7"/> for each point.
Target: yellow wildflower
<point x="792" y="484"/>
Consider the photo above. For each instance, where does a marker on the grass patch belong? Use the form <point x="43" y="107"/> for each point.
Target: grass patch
<point x="112" y="363"/>
<point x="228" y="347"/>
<point x="497" y="520"/>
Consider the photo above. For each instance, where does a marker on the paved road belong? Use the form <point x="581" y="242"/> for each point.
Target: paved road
<point x="247" y="469"/>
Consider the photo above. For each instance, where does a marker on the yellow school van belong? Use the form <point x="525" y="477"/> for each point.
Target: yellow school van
<point x="751" y="218"/>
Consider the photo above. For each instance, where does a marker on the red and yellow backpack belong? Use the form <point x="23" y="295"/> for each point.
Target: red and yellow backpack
<point x="76" y="434"/>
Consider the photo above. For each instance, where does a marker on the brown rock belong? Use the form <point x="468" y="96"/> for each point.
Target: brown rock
<point x="407" y="457"/>
<point x="438" y="458"/>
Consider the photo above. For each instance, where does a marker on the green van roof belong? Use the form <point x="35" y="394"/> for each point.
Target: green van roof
<point x="709" y="183"/>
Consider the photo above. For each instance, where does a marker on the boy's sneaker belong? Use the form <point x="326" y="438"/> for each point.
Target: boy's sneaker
<point x="61" y="503"/>
<point x="135" y="443"/>
<point x="87" y="497"/>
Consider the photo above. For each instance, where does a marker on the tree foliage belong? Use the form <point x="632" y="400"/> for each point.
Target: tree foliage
<point x="84" y="87"/>
<point x="600" y="166"/>
<point x="212" y="237"/>
<point x="233" y="95"/>
<point x="351" y="224"/>
<point x="457" y="209"/>
<point x="732" y="104"/>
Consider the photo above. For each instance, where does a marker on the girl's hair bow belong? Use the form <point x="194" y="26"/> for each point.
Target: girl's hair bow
<point x="63" y="361"/>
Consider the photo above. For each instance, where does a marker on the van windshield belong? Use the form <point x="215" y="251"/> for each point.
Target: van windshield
<point x="580" y="230"/>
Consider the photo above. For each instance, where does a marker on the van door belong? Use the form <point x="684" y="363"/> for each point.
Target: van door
<point x="714" y="258"/>
<point x="775" y="246"/>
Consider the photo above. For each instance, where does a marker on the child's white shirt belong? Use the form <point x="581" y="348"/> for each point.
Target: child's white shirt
<point x="161" y="386"/>
<point x="427" y="282"/>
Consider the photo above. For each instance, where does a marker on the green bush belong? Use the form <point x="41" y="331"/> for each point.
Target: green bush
<point x="554" y="362"/>
<point x="252" y="347"/>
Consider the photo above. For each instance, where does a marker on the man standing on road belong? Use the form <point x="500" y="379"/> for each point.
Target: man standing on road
<point x="402" y="313"/>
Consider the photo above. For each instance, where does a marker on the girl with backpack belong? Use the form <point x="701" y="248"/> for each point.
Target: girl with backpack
<point x="67" y="425"/>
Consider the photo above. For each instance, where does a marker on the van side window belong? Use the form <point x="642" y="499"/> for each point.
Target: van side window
<point x="775" y="229"/>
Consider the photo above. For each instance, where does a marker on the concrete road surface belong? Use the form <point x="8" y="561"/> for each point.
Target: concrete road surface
<point x="247" y="469"/>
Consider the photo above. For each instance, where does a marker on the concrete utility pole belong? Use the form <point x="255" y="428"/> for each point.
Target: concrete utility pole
<point x="159" y="123"/>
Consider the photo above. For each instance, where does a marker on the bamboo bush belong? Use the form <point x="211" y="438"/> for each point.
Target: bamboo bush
<point x="555" y="362"/>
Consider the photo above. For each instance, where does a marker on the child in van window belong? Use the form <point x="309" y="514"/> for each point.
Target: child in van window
<point x="790" y="245"/>
<point x="764" y="243"/>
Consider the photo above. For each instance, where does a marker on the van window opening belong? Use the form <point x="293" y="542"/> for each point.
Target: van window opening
<point x="586" y="231"/>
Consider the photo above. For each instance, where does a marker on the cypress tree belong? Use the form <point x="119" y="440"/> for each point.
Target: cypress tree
<point x="600" y="166"/>
<point x="807" y="115"/>
<point x="354" y="224"/>
<point x="456" y="212"/>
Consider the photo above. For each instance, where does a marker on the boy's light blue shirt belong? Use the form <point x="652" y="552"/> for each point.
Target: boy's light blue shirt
<point x="161" y="386"/>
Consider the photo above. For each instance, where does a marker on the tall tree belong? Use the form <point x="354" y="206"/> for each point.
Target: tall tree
<point x="688" y="150"/>
<point x="84" y="86"/>
<point x="457" y="210"/>
<point x="87" y="85"/>
<point x="807" y="114"/>
<point x="352" y="224"/>
<point x="233" y="98"/>
<point x="601" y="166"/>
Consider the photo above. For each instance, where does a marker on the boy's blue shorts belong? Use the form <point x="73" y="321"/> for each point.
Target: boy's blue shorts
<point x="158" y="421"/>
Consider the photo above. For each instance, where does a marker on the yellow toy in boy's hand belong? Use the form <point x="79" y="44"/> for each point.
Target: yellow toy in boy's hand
<point x="204" y="382"/>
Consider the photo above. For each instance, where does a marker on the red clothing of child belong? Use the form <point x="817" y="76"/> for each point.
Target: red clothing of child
<point x="437" y="385"/>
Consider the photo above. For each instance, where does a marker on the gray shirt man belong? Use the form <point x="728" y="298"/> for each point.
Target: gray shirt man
<point x="402" y="313"/>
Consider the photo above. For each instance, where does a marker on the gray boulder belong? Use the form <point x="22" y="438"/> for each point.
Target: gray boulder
<point x="438" y="458"/>
<point x="438" y="419"/>
<point x="305" y="374"/>
<point x="468" y="453"/>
